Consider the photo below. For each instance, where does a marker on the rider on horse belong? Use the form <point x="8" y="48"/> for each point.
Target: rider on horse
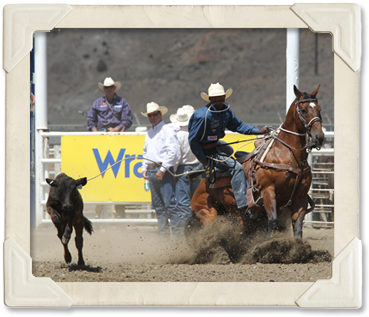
<point x="207" y="126"/>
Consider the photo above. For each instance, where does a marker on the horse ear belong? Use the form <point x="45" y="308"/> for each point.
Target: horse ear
<point x="297" y="92"/>
<point x="315" y="92"/>
<point x="51" y="182"/>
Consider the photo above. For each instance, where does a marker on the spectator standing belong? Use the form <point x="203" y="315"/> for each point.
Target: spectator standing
<point x="162" y="151"/>
<point x="110" y="113"/>
<point x="185" y="188"/>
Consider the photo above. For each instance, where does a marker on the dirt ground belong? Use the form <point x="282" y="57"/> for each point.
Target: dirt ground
<point x="121" y="253"/>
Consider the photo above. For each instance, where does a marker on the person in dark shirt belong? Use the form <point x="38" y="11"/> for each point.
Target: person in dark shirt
<point x="110" y="113"/>
<point x="206" y="129"/>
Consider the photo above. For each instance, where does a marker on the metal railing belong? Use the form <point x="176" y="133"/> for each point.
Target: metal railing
<point x="48" y="161"/>
<point x="322" y="188"/>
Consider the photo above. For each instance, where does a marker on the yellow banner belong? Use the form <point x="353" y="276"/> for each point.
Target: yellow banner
<point x="90" y="155"/>
<point x="246" y="143"/>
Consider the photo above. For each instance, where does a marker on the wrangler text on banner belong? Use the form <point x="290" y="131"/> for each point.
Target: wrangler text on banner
<point x="90" y="155"/>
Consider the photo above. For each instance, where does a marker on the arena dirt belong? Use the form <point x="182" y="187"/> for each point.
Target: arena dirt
<point x="117" y="253"/>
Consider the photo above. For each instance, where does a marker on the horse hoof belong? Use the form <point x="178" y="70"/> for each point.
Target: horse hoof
<point x="68" y="258"/>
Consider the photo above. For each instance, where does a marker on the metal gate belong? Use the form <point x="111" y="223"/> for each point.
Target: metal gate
<point x="49" y="161"/>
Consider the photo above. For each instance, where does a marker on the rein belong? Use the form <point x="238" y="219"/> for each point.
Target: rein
<point x="307" y="124"/>
<point x="209" y="168"/>
<point x="308" y="147"/>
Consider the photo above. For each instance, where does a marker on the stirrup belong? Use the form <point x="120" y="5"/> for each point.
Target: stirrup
<point x="254" y="206"/>
<point x="251" y="214"/>
<point x="259" y="201"/>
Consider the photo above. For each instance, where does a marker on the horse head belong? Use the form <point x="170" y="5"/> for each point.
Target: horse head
<point x="309" y="118"/>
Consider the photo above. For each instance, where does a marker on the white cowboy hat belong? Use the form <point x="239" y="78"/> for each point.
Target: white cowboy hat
<point x="189" y="109"/>
<point x="152" y="107"/>
<point x="183" y="115"/>
<point x="110" y="82"/>
<point x="216" y="90"/>
<point x="181" y="118"/>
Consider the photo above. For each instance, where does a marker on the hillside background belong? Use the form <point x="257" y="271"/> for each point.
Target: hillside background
<point x="172" y="67"/>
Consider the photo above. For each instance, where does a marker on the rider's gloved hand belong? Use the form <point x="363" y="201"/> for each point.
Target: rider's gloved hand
<point x="265" y="130"/>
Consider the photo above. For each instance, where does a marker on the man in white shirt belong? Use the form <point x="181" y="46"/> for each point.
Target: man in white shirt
<point x="162" y="151"/>
<point x="187" y="162"/>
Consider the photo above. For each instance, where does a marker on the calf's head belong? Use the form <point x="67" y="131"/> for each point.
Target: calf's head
<point x="65" y="190"/>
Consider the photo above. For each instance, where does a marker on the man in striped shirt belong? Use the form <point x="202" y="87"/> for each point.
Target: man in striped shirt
<point x="110" y="113"/>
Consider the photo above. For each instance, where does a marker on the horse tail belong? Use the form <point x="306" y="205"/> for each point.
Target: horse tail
<point x="88" y="226"/>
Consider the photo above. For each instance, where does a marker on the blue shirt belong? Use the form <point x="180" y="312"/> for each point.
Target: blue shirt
<point x="212" y="129"/>
<point x="100" y="114"/>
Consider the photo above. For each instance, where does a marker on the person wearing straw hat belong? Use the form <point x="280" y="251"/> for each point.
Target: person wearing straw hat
<point x="185" y="188"/>
<point x="206" y="129"/>
<point x="110" y="113"/>
<point x="161" y="153"/>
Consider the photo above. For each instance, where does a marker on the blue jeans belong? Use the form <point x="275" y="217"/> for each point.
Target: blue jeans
<point x="184" y="192"/>
<point x="238" y="182"/>
<point x="164" y="203"/>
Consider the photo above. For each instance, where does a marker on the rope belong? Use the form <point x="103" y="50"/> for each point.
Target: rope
<point x="234" y="151"/>
<point x="188" y="172"/>
<point x="143" y="158"/>
<point x="174" y="175"/>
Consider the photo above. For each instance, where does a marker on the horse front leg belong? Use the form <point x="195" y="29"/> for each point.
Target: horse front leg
<point x="202" y="206"/>
<point x="298" y="214"/>
<point x="270" y="206"/>
<point x="206" y="215"/>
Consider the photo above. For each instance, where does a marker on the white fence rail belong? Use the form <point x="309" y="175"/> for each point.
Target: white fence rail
<point x="320" y="191"/>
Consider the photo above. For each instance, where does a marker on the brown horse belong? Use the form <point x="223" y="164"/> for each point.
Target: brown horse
<point x="282" y="179"/>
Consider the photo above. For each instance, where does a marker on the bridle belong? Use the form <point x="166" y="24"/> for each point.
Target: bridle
<point x="309" y="146"/>
<point x="307" y="124"/>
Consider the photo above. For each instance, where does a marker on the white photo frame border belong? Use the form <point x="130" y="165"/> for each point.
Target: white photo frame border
<point x="343" y="290"/>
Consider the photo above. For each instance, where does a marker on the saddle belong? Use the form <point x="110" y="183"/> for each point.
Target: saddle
<point x="255" y="201"/>
<point x="222" y="179"/>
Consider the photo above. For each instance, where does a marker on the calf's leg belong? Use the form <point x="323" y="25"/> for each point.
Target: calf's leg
<point x="79" y="243"/>
<point x="69" y="228"/>
<point x="67" y="255"/>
